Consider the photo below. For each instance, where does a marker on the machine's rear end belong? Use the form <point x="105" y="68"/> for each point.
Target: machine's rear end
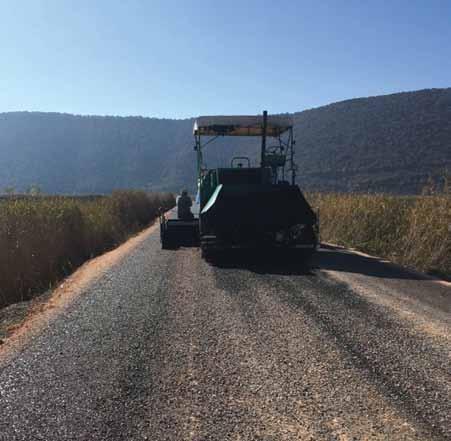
<point x="175" y="233"/>
<point x="244" y="213"/>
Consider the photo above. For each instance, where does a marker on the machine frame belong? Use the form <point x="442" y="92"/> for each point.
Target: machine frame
<point x="277" y="127"/>
<point x="247" y="207"/>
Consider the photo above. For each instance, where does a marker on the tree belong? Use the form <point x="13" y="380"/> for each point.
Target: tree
<point x="34" y="190"/>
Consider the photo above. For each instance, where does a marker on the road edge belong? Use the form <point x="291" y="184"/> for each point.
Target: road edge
<point x="68" y="290"/>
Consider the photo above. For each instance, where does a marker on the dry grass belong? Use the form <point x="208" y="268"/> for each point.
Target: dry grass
<point x="412" y="231"/>
<point x="45" y="238"/>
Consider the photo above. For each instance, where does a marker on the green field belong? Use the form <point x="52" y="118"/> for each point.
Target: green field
<point x="45" y="238"/>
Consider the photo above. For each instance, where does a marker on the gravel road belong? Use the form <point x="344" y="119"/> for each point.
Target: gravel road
<point x="164" y="346"/>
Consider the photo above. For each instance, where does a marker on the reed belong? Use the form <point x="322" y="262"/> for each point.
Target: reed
<point x="414" y="231"/>
<point x="45" y="238"/>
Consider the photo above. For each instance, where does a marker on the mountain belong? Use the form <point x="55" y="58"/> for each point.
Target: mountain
<point x="91" y="154"/>
<point x="386" y="143"/>
<point x="391" y="143"/>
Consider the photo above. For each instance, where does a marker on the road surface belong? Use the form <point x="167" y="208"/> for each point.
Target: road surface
<point x="164" y="346"/>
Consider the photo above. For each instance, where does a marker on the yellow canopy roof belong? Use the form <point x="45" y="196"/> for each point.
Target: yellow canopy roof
<point x="241" y="125"/>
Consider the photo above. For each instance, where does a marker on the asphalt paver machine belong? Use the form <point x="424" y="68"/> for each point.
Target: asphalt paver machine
<point x="245" y="207"/>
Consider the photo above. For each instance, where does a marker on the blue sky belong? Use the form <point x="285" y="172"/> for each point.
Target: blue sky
<point x="179" y="59"/>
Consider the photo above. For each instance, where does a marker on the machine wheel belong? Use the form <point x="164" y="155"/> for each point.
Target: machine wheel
<point x="165" y="245"/>
<point x="303" y="256"/>
<point x="204" y="252"/>
<point x="209" y="253"/>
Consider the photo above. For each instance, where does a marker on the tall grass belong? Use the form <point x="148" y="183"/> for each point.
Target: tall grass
<point x="45" y="238"/>
<point x="412" y="231"/>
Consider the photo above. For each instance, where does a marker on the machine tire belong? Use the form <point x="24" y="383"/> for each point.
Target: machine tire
<point x="204" y="252"/>
<point x="209" y="254"/>
<point x="303" y="256"/>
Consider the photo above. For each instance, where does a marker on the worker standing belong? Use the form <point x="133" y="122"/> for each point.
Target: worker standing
<point x="184" y="204"/>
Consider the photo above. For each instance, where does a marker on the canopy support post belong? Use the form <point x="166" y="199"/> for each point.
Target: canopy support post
<point x="292" y="165"/>
<point x="198" y="148"/>
<point x="265" y="123"/>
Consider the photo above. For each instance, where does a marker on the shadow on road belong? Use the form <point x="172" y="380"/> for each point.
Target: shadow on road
<point x="261" y="262"/>
<point x="327" y="258"/>
<point x="338" y="259"/>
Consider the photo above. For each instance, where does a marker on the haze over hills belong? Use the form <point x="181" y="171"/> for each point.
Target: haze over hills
<point x="390" y="143"/>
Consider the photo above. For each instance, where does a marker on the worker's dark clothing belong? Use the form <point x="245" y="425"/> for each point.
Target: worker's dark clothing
<point x="184" y="207"/>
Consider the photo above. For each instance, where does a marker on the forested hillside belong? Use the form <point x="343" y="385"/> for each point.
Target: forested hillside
<point x="91" y="154"/>
<point x="387" y="143"/>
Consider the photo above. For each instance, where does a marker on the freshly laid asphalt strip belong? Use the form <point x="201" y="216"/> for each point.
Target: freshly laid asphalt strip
<point x="165" y="346"/>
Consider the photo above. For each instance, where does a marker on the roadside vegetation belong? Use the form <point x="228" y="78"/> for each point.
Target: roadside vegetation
<point x="45" y="238"/>
<point x="413" y="231"/>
